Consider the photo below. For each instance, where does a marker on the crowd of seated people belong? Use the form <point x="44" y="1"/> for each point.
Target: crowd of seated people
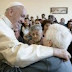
<point x="26" y="34"/>
<point x="53" y="63"/>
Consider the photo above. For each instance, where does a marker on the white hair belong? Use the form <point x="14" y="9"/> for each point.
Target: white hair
<point x="36" y="27"/>
<point x="60" y="36"/>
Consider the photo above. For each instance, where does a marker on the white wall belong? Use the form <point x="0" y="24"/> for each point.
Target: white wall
<point x="37" y="7"/>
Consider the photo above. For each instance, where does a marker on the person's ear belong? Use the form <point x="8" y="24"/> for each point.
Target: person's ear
<point x="11" y="11"/>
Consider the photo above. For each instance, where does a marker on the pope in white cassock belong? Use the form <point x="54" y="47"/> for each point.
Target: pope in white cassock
<point x="15" y="54"/>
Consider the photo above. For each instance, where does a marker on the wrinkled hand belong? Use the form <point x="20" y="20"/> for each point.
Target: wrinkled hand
<point x="61" y="53"/>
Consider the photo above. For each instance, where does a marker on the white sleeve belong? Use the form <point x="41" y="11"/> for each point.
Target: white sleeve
<point x="31" y="54"/>
<point x="19" y="54"/>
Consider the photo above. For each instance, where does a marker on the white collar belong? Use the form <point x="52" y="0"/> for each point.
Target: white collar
<point x="7" y="21"/>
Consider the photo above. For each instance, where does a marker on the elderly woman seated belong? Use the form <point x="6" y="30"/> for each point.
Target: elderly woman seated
<point x="36" y="34"/>
<point x="58" y="36"/>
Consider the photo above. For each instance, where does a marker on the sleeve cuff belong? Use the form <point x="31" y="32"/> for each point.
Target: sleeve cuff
<point x="44" y="52"/>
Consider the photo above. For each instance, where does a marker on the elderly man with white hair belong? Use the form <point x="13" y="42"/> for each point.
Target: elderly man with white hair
<point x="14" y="54"/>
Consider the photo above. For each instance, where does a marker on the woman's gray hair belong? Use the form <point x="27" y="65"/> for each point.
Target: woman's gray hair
<point x="36" y="27"/>
<point x="60" y="36"/>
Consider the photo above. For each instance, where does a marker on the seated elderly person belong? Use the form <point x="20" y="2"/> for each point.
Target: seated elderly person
<point x="60" y="37"/>
<point x="36" y="34"/>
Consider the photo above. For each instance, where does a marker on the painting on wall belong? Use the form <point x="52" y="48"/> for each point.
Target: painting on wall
<point x="58" y="10"/>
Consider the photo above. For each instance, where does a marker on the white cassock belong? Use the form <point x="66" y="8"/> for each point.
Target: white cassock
<point x="18" y="54"/>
